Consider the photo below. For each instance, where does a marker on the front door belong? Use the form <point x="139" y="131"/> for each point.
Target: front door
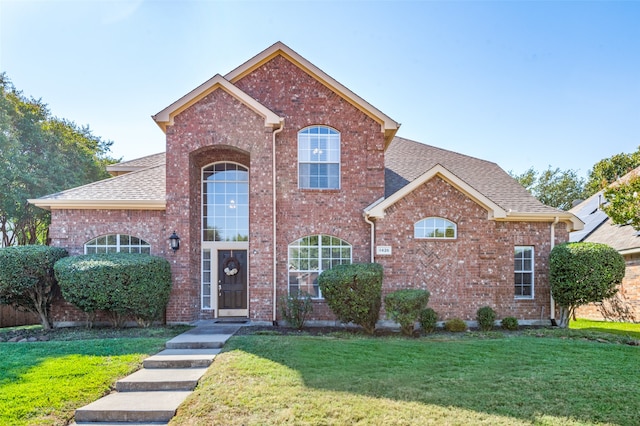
<point x="232" y="283"/>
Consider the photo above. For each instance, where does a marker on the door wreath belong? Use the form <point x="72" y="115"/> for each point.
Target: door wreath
<point x="231" y="266"/>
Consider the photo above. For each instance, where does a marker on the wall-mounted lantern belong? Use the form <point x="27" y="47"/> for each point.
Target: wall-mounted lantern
<point x="174" y="241"/>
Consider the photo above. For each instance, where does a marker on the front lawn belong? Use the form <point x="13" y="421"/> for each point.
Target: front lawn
<point x="491" y="379"/>
<point x="620" y="328"/>
<point x="42" y="383"/>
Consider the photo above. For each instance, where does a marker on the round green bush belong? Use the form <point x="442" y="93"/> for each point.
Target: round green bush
<point x="354" y="293"/>
<point x="455" y="325"/>
<point x="582" y="273"/>
<point x="428" y="320"/>
<point x="404" y="307"/>
<point x="486" y="317"/>
<point x="120" y="283"/>
<point x="509" y="323"/>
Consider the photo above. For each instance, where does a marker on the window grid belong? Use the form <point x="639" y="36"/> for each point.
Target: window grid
<point x="117" y="243"/>
<point x="435" y="227"/>
<point x="206" y="279"/>
<point x="318" y="158"/>
<point x="311" y="255"/>
<point x="225" y="202"/>
<point x="524" y="272"/>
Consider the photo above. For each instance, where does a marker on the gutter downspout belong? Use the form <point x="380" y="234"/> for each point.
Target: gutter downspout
<point x="553" y="302"/>
<point x="275" y="261"/>
<point x="373" y="236"/>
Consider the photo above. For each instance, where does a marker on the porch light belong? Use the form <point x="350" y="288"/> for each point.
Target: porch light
<point x="174" y="241"/>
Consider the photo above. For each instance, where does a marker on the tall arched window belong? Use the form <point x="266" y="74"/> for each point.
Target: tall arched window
<point x="311" y="255"/>
<point x="435" y="227"/>
<point x="225" y="202"/>
<point x="117" y="243"/>
<point x="318" y="158"/>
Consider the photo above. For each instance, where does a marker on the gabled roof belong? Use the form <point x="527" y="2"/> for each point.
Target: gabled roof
<point x="137" y="190"/>
<point x="598" y="226"/>
<point x="136" y="164"/>
<point x="504" y="198"/>
<point x="388" y="126"/>
<point x="165" y="117"/>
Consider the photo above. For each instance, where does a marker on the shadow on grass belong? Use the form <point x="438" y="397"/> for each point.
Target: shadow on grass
<point x="525" y="378"/>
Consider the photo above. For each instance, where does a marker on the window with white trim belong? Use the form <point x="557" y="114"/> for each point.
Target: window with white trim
<point x="435" y="227"/>
<point x="311" y="255"/>
<point x="117" y="243"/>
<point x="523" y="272"/>
<point x="318" y="158"/>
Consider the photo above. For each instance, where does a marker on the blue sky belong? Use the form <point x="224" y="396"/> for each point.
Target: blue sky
<point x="518" y="83"/>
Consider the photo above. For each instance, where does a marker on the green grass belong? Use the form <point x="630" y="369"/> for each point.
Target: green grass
<point x="493" y="380"/>
<point x="42" y="383"/>
<point x="620" y="328"/>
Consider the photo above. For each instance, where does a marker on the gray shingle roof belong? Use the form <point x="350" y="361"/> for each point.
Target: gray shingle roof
<point x="406" y="160"/>
<point x="138" y="163"/>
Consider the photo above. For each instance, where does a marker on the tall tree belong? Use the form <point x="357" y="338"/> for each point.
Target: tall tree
<point x="553" y="187"/>
<point x="608" y="170"/>
<point x="623" y="202"/>
<point x="40" y="154"/>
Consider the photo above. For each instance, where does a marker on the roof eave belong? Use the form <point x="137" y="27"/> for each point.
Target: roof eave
<point x="572" y="221"/>
<point x="165" y="117"/>
<point x="494" y="211"/>
<point x="49" y="204"/>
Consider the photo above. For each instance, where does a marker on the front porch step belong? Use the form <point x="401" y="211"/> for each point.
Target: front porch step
<point x="132" y="407"/>
<point x="164" y="379"/>
<point x="181" y="358"/>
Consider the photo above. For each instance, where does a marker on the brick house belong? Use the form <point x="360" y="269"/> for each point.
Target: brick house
<point x="598" y="228"/>
<point x="275" y="172"/>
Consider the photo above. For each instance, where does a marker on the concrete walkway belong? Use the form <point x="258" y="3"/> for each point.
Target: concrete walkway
<point x="150" y="396"/>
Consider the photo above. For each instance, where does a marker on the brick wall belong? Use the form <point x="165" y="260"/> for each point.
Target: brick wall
<point x="475" y="269"/>
<point x="628" y="293"/>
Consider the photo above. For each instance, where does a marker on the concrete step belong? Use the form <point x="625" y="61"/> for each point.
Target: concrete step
<point x="193" y="342"/>
<point x="161" y="379"/>
<point x="181" y="358"/>
<point x="132" y="407"/>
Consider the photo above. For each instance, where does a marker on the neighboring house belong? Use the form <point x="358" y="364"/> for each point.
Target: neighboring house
<point x="599" y="228"/>
<point x="276" y="172"/>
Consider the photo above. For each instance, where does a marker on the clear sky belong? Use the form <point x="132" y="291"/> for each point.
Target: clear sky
<point x="523" y="84"/>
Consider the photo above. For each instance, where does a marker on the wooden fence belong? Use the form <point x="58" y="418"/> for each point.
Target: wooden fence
<point x="10" y="317"/>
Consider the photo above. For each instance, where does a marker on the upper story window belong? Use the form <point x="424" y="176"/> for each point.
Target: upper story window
<point x="116" y="243"/>
<point x="435" y="227"/>
<point x="225" y="202"/>
<point x="318" y="158"/>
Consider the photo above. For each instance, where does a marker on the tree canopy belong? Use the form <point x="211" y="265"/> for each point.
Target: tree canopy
<point x="608" y="170"/>
<point x="40" y="154"/>
<point x="623" y="203"/>
<point x="553" y="187"/>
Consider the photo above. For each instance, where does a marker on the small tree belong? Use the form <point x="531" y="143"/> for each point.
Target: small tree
<point x="582" y="273"/>
<point x="354" y="293"/>
<point x="27" y="281"/>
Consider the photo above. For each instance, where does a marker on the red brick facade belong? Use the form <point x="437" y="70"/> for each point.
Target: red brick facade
<point x="474" y="270"/>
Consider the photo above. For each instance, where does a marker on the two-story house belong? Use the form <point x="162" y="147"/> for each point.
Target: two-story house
<point x="275" y="172"/>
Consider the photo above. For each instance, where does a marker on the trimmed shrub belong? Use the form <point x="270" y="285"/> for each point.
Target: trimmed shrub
<point x="296" y="309"/>
<point x="404" y="307"/>
<point x="428" y="320"/>
<point x="486" y="317"/>
<point x="582" y="273"/>
<point x="509" y="323"/>
<point x="120" y="283"/>
<point x="455" y="325"/>
<point x="354" y="293"/>
<point x="27" y="281"/>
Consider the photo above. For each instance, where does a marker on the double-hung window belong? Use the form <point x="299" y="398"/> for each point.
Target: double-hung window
<point x="318" y="158"/>
<point x="523" y="271"/>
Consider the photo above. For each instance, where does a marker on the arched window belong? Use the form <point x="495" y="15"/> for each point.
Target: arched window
<point x="435" y="227"/>
<point x="311" y="255"/>
<point x="225" y="202"/>
<point x="116" y="243"/>
<point x="318" y="158"/>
